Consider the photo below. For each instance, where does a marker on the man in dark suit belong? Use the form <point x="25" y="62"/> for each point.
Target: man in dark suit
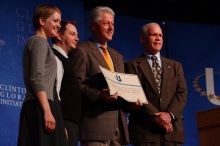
<point x="66" y="84"/>
<point x="103" y="122"/>
<point x="160" y="122"/>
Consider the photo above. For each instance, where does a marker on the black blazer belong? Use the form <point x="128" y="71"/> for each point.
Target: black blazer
<point x="70" y="92"/>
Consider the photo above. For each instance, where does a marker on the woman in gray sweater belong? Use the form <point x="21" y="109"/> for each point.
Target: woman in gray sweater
<point x="41" y="122"/>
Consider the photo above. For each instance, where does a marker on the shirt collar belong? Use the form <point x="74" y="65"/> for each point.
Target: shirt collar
<point x="99" y="45"/>
<point x="149" y="55"/>
<point x="60" y="50"/>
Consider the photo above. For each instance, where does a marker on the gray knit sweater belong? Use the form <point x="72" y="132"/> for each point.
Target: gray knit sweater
<point x="39" y="68"/>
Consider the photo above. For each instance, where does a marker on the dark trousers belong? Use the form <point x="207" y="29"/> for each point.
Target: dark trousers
<point x="72" y="131"/>
<point x="114" y="141"/>
<point x="158" y="143"/>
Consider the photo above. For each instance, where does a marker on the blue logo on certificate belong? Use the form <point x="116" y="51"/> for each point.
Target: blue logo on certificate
<point x="118" y="78"/>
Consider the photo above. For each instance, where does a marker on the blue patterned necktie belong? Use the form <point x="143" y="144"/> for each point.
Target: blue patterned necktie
<point x="156" y="71"/>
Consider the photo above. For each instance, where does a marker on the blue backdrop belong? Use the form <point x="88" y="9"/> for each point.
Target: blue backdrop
<point x="196" y="46"/>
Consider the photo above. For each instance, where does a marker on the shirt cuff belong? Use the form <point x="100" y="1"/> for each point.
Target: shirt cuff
<point x="172" y="116"/>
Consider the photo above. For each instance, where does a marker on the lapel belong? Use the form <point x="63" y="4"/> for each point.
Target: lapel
<point x="147" y="71"/>
<point x="95" y="51"/>
<point x="167" y="67"/>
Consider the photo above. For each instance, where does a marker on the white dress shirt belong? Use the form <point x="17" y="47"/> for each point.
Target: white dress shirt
<point x="150" y="60"/>
<point x="60" y="69"/>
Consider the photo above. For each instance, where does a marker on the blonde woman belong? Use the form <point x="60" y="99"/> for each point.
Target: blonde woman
<point x="41" y="122"/>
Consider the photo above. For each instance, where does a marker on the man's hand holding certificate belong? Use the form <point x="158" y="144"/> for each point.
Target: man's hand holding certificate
<point x="127" y="86"/>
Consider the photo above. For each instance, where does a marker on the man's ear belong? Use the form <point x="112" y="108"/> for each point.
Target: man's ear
<point x="42" y="21"/>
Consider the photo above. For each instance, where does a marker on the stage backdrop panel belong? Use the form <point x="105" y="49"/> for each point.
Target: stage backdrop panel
<point x="16" y="27"/>
<point x="196" y="46"/>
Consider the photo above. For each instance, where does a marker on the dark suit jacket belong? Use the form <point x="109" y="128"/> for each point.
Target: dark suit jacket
<point x="172" y="99"/>
<point x="70" y="100"/>
<point x="99" y="119"/>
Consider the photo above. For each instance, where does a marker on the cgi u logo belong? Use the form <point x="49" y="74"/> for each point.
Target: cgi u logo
<point x="118" y="78"/>
<point x="210" y="89"/>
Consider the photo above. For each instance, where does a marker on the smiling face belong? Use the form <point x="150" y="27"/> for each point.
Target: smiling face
<point x="153" y="39"/>
<point x="51" y="25"/>
<point x="69" y="38"/>
<point x="103" y="30"/>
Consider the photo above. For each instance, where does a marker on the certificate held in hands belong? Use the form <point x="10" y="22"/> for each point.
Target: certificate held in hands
<point x="127" y="86"/>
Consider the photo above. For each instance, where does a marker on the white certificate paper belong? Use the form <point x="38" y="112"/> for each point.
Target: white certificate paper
<point x="127" y="86"/>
